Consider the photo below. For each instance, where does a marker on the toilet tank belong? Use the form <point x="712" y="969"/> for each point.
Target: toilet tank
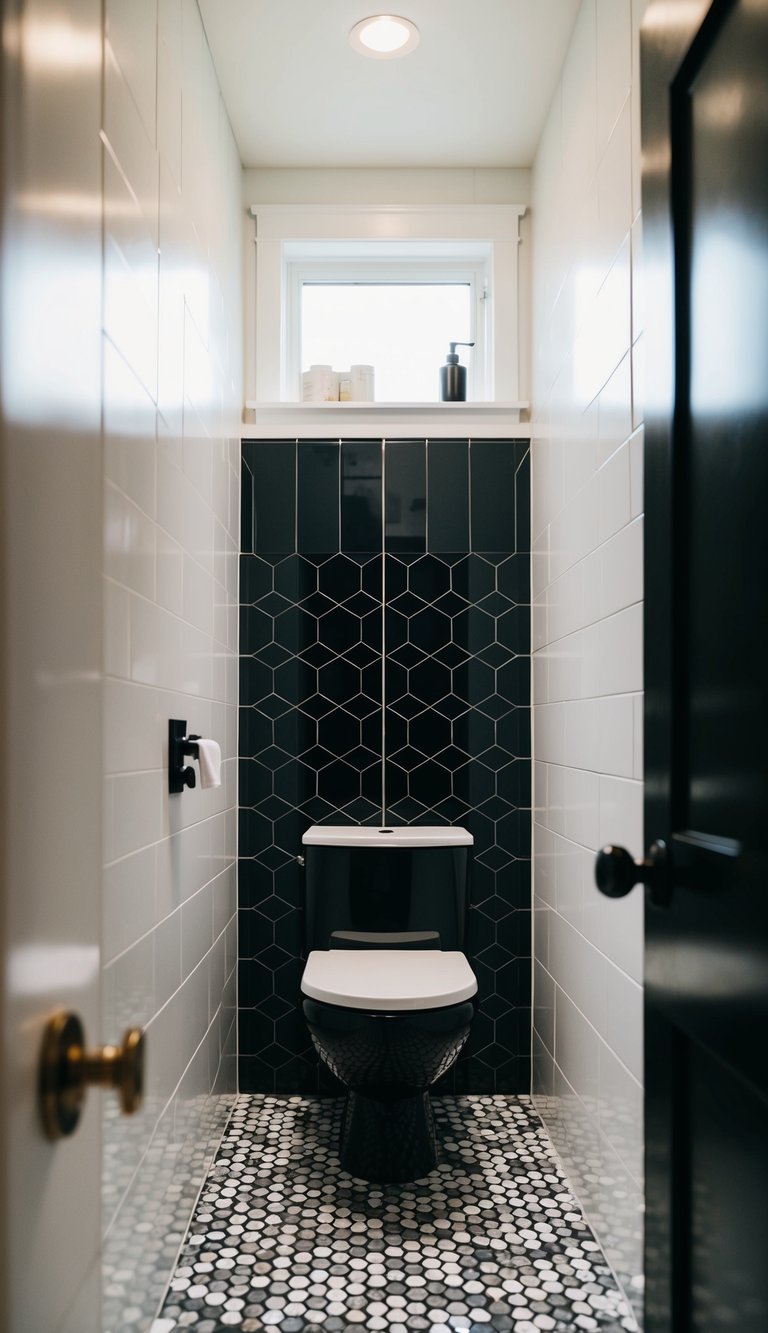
<point x="384" y="880"/>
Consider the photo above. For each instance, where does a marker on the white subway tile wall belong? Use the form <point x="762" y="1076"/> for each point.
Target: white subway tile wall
<point x="587" y="542"/>
<point x="171" y="405"/>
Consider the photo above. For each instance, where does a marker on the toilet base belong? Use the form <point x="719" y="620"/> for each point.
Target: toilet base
<point x="388" y="1142"/>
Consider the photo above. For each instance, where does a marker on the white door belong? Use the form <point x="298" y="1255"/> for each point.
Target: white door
<point x="50" y="644"/>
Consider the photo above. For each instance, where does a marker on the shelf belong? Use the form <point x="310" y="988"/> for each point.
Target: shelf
<point x="289" y="408"/>
<point x="291" y="420"/>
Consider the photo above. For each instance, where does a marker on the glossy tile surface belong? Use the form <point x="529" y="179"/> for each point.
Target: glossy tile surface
<point x="492" y="1239"/>
<point x="171" y="403"/>
<point x="437" y="732"/>
<point x="361" y="466"/>
<point x="457" y="690"/>
<point x="448" y="496"/>
<point x="405" y="496"/>
<point x="310" y="671"/>
<point x="588" y="621"/>
<point x="273" y="467"/>
<point x="317" y="510"/>
<point x="499" y="485"/>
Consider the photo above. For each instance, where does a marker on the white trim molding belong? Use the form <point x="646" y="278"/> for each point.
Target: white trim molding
<point x="386" y="229"/>
<point x="295" y="421"/>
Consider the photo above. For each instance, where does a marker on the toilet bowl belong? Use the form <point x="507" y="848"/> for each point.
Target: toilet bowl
<point x="388" y="994"/>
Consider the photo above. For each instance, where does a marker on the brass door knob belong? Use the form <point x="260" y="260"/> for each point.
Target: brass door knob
<point x="67" y="1070"/>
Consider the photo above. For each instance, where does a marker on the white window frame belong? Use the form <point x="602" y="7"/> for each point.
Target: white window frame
<point x="423" y="270"/>
<point x="482" y="241"/>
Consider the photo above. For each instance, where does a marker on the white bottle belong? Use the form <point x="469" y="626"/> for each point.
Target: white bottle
<point x="362" y="384"/>
<point x="317" y="385"/>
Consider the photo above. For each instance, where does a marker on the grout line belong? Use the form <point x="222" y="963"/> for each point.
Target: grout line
<point x="470" y="547"/>
<point x="383" y="635"/>
<point x="150" y="935"/>
<point x="167" y="1109"/>
<point x="295" y="496"/>
<point x="617" y="967"/>
<point x="426" y="497"/>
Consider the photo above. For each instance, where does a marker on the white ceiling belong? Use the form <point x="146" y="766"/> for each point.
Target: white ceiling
<point x="474" y="93"/>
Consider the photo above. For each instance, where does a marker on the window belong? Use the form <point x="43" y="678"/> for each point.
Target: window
<point x="388" y="286"/>
<point x="398" y="317"/>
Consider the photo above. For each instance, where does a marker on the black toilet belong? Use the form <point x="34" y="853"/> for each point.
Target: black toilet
<point x="387" y="991"/>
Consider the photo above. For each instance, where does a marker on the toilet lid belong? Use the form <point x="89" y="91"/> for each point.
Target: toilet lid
<point x="389" y="979"/>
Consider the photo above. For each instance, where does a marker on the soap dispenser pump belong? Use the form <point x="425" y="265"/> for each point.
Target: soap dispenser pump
<point x="453" y="377"/>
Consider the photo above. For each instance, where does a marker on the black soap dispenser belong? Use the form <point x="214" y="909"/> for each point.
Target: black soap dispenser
<point x="453" y="377"/>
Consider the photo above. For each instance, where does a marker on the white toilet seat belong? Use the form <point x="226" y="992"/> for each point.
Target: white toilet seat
<point x="389" y="979"/>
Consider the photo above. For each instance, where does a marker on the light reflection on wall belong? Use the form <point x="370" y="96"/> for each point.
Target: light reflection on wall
<point x="52" y="45"/>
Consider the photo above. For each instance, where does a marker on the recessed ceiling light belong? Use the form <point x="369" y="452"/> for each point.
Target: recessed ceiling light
<point x="384" y="36"/>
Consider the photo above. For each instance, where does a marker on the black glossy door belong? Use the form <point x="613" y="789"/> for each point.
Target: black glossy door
<point x="705" y="207"/>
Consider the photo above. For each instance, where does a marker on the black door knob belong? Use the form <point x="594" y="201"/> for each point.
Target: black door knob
<point x="616" y="873"/>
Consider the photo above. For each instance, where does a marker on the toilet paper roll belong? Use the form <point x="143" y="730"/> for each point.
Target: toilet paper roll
<point x="209" y="758"/>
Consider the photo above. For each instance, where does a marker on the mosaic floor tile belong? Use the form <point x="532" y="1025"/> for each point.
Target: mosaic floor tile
<point x="492" y="1239"/>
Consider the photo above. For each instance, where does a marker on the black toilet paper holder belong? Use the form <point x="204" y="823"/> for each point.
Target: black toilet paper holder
<point x="180" y="775"/>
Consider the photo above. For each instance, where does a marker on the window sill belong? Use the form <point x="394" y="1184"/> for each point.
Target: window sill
<point x="291" y="420"/>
